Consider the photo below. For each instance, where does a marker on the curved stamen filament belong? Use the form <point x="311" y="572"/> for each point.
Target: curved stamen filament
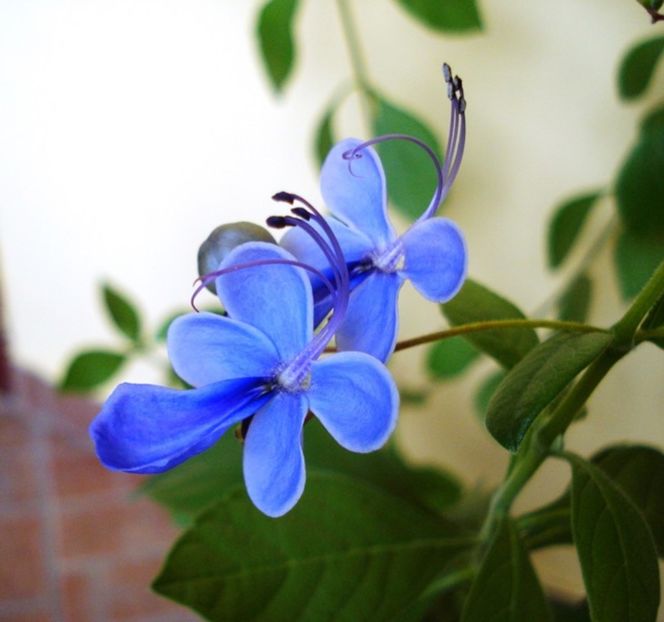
<point x="206" y="278"/>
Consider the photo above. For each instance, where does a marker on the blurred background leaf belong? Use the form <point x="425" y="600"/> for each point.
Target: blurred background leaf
<point x="275" y="37"/>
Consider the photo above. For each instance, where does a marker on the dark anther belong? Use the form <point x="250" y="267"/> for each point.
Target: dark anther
<point x="462" y="105"/>
<point x="302" y="213"/>
<point x="285" y="197"/>
<point x="447" y="72"/>
<point x="276" y="222"/>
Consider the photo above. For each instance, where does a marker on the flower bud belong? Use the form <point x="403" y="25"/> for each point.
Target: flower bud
<point x="223" y="240"/>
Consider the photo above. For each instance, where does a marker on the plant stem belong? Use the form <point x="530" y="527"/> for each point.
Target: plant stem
<point x="626" y="328"/>
<point x="360" y="74"/>
<point x="475" y="327"/>
<point x="531" y="454"/>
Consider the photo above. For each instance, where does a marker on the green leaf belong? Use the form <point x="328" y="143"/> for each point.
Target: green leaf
<point x="653" y="121"/>
<point x="275" y="36"/>
<point x="615" y="548"/>
<point x="636" y="258"/>
<point x="122" y="312"/>
<point x="638" y="67"/>
<point x="346" y="552"/>
<point x="575" y="302"/>
<point x="324" y="136"/>
<point x="486" y="390"/>
<point x="564" y="611"/>
<point x="411" y="193"/>
<point x="506" y="588"/>
<point x="89" y="369"/>
<point x="566" y="225"/>
<point x="447" y="16"/>
<point x="450" y="357"/>
<point x="640" y="184"/>
<point x="638" y="470"/>
<point x="206" y="478"/>
<point x="537" y="380"/>
<point x="476" y="303"/>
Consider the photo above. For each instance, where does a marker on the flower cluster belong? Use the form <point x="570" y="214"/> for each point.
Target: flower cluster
<point x="261" y="363"/>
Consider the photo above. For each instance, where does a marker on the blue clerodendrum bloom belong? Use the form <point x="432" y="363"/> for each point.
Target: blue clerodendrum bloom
<point x="259" y="365"/>
<point x="431" y="253"/>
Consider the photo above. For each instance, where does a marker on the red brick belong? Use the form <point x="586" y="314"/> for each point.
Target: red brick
<point x="18" y="482"/>
<point x="30" y="615"/>
<point x="77" y="597"/>
<point x="130" y="594"/>
<point x="149" y="528"/>
<point x="77" y="472"/>
<point x="22" y="567"/>
<point x="14" y="427"/>
<point x="91" y="531"/>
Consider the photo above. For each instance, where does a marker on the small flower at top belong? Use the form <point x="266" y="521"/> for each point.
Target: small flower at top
<point x="261" y="366"/>
<point x="431" y="253"/>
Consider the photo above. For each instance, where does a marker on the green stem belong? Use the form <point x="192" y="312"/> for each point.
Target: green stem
<point x="475" y="327"/>
<point x="357" y="61"/>
<point x="644" y="335"/>
<point x="626" y="328"/>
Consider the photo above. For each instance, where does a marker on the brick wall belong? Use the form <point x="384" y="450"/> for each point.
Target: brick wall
<point x="75" y="544"/>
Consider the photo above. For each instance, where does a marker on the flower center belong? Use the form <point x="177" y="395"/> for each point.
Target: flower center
<point x="295" y="377"/>
<point x="390" y="259"/>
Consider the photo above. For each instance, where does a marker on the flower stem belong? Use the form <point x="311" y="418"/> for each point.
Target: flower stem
<point x="358" y="64"/>
<point x="475" y="327"/>
<point x="537" y="445"/>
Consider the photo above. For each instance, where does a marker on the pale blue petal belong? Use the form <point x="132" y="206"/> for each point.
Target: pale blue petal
<point x="274" y="470"/>
<point x="354" y="191"/>
<point x="275" y="299"/>
<point x="355" y="398"/>
<point x="435" y="258"/>
<point x="205" y="348"/>
<point x="149" y="429"/>
<point x="371" y="323"/>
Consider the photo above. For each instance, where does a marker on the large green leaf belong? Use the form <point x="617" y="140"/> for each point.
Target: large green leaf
<point x="636" y="257"/>
<point x="640" y="184"/>
<point x="410" y="174"/>
<point x="89" y="369"/>
<point x="638" y="66"/>
<point x="638" y="470"/>
<point x="275" y="36"/>
<point x="122" y="311"/>
<point x="574" y="303"/>
<point x="615" y="548"/>
<point x="537" y="380"/>
<point x="346" y="552"/>
<point x="506" y="588"/>
<point x="450" y="357"/>
<point x="476" y="303"/>
<point x="203" y="480"/>
<point x="566" y="225"/>
<point x="447" y="15"/>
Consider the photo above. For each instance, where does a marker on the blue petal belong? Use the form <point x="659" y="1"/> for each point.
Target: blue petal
<point x="355" y="246"/>
<point x="371" y="323"/>
<point x="354" y="191"/>
<point x="435" y="258"/>
<point x="274" y="470"/>
<point x="205" y="348"/>
<point x="149" y="429"/>
<point x="275" y="299"/>
<point x="355" y="398"/>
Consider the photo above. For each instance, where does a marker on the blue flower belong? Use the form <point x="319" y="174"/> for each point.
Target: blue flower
<point x="261" y="362"/>
<point x="431" y="253"/>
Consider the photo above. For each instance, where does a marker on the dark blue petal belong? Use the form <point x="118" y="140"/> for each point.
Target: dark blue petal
<point x="274" y="470"/>
<point x="205" y="348"/>
<point x="275" y="299"/>
<point x="355" y="398"/>
<point x="371" y="323"/>
<point x="354" y="191"/>
<point x="435" y="258"/>
<point x="149" y="429"/>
